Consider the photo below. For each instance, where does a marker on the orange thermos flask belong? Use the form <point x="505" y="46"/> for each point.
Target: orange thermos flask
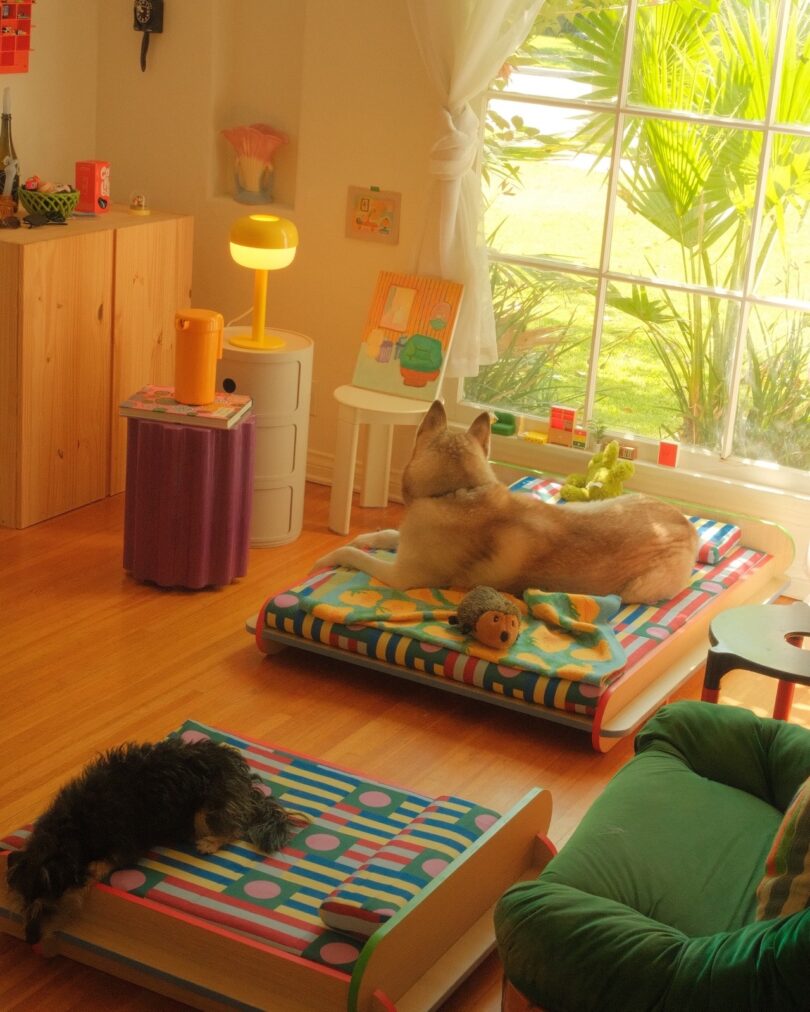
<point x="198" y="346"/>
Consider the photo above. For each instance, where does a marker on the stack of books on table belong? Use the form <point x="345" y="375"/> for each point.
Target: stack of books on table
<point x="158" y="404"/>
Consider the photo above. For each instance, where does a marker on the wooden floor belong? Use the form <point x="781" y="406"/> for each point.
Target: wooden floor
<point x="90" y="658"/>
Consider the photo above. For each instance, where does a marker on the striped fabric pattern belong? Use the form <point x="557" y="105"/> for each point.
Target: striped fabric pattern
<point x="640" y="630"/>
<point x="403" y="867"/>
<point x="277" y="898"/>
<point x="785" y="887"/>
<point x="545" y="489"/>
<point x="717" y="539"/>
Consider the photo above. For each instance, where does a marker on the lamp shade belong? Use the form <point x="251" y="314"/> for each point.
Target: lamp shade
<point x="263" y="242"/>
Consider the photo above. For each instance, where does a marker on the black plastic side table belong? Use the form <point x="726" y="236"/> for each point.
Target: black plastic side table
<point x="766" y="639"/>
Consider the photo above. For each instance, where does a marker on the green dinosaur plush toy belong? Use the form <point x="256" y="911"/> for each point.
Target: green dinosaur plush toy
<point x="606" y="472"/>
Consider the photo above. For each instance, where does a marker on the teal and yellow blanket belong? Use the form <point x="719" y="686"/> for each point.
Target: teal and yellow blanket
<point x="562" y="635"/>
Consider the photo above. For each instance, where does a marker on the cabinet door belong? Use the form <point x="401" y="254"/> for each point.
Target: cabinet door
<point x="152" y="281"/>
<point x="10" y="285"/>
<point x="64" y="378"/>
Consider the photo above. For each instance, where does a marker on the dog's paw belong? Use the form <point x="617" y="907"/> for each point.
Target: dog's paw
<point x="209" y="844"/>
<point x="325" y="562"/>
<point x="377" y="539"/>
<point x="334" y="559"/>
<point x="47" y="947"/>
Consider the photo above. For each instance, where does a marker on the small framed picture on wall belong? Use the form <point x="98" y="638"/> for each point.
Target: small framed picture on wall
<point x="373" y="214"/>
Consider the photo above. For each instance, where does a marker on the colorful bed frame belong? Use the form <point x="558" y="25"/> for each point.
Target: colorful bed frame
<point x="382" y="902"/>
<point x="743" y="560"/>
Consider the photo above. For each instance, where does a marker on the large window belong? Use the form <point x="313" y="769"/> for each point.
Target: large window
<point x="647" y="184"/>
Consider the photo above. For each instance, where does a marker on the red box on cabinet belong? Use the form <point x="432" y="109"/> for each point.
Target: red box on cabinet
<point x="93" y="184"/>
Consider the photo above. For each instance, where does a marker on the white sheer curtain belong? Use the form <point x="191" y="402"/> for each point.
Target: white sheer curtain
<point x="463" y="44"/>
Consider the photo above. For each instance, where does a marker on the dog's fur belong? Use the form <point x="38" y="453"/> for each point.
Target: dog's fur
<point x="129" y="800"/>
<point x="463" y="528"/>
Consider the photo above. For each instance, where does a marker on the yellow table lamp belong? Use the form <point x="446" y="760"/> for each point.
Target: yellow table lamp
<point x="262" y="242"/>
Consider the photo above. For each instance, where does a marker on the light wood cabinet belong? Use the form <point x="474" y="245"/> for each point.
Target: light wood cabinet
<point x="86" y="317"/>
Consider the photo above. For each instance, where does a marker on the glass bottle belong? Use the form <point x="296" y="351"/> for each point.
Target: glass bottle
<point x="9" y="166"/>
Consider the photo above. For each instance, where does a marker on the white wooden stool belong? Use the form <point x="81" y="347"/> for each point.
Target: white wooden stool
<point x="381" y="412"/>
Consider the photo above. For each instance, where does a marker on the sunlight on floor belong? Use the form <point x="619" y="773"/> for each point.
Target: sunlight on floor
<point x="757" y="692"/>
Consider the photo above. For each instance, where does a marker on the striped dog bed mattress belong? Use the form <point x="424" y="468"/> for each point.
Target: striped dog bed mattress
<point x="368" y="850"/>
<point x="640" y="629"/>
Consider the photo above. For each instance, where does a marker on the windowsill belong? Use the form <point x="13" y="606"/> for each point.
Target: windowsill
<point x="693" y="468"/>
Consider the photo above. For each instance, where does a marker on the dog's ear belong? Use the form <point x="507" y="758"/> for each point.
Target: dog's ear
<point x="480" y="431"/>
<point x="434" y="421"/>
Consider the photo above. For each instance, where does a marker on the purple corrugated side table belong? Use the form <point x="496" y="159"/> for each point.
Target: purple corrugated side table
<point x="188" y="502"/>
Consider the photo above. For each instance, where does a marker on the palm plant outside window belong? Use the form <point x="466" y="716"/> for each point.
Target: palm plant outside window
<point x="647" y="181"/>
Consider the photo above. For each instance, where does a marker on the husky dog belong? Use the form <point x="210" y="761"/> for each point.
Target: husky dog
<point x="464" y="528"/>
<point x="131" y="799"/>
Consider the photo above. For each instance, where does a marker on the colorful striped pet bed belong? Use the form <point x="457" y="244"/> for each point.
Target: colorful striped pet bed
<point x="370" y="853"/>
<point x="740" y="560"/>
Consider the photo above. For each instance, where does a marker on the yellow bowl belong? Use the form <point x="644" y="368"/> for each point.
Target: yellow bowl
<point x="36" y="202"/>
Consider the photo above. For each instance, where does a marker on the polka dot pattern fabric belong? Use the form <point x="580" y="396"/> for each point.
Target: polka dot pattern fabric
<point x="401" y="869"/>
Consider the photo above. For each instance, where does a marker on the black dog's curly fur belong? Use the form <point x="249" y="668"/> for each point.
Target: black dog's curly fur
<point x="131" y="799"/>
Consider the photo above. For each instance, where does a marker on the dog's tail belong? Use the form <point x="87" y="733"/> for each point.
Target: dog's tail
<point x="272" y="826"/>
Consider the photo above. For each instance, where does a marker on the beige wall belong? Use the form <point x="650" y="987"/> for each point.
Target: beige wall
<point x="344" y="80"/>
<point x="53" y="106"/>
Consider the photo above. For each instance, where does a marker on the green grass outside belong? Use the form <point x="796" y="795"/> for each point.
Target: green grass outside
<point x="570" y="202"/>
<point x="632" y="392"/>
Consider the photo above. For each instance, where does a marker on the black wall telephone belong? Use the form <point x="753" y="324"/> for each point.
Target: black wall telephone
<point x="147" y="18"/>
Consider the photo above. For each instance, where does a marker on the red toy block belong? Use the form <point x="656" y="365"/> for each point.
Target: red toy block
<point x="561" y="423"/>
<point x="668" y="453"/>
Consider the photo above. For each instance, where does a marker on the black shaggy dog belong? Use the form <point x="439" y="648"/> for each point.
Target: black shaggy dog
<point x="131" y="799"/>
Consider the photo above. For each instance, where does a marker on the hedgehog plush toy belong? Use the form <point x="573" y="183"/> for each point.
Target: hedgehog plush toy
<point x="488" y="616"/>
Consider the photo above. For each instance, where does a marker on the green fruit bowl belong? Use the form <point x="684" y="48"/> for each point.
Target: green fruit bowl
<point x="36" y="202"/>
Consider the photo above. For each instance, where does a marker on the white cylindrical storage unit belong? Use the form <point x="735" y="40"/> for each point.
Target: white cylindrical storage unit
<point x="280" y="383"/>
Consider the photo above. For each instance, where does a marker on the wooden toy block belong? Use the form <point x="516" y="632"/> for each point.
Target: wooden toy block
<point x="628" y="452"/>
<point x="668" y="453"/>
<point x="561" y="425"/>
<point x="504" y="424"/>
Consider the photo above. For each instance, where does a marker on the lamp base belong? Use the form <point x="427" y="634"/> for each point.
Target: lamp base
<point x="268" y="342"/>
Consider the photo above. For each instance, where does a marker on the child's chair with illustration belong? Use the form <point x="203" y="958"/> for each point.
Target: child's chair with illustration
<point x="398" y="374"/>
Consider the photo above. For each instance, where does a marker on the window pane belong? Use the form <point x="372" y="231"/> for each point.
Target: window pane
<point x="574" y="51"/>
<point x="663" y="364"/>
<point x="684" y="207"/>
<point x="544" y="323"/>
<point x="773" y="418"/>
<point x="541" y="199"/>
<point x="703" y="57"/>
<point x="794" y="97"/>
<point x="783" y="248"/>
